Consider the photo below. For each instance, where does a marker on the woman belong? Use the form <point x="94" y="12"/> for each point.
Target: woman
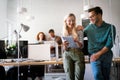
<point x="41" y="37"/>
<point x="73" y="58"/>
<point x="37" y="71"/>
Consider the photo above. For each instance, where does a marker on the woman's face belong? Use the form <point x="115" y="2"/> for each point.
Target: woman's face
<point x="70" y="21"/>
<point x="41" y="36"/>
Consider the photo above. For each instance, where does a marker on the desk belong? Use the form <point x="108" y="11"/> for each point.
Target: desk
<point x="59" y="62"/>
<point x="25" y="68"/>
<point x="21" y="63"/>
<point x="115" y="73"/>
<point x="5" y="62"/>
<point x="31" y="62"/>
<point x="116" y="60"/>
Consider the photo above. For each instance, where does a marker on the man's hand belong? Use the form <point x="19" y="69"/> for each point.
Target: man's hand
<point x="79" y="27"/>
<point x="94" y="57"/>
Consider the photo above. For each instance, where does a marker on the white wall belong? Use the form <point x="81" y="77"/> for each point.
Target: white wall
<point x="50" y="13"/>
<point x="3" y="21"/>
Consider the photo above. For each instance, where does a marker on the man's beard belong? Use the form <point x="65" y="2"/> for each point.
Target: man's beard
<point x="95" y="21"/>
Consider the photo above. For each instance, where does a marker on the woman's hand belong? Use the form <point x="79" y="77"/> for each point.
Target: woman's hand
<point x="65" y="44"/>
<point x="79" y="43"/>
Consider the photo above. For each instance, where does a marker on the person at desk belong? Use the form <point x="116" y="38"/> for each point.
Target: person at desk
<point x="41" y="37"/>
<point x="53" y="37"/>
<point x="37" y="71"/>
<point x="73" y="57"/>
<point x="58" y="40"/>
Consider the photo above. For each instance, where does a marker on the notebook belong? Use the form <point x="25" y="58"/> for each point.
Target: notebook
<point x="71" y="41"/>
<point x="39" y="52"/>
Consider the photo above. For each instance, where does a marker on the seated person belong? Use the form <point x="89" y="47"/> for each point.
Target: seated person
<point x="53" y="37"/>
<point x="37" y="71"/>
<point x="41" y="37"/>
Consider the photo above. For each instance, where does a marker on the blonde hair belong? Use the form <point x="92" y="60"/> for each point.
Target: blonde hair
<point x="65" y="27"/>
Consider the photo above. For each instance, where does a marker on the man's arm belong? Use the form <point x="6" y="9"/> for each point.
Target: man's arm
<point x="95" y="56"/>
<point x="108" y="45"/>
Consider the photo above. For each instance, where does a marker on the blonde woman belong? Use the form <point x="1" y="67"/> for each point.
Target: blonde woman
<point x="73" y="58"/>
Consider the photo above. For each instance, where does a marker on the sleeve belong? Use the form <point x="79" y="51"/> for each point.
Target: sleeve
<point x="81" y="37"/>
<point x="85" y="31"/>
<point x="58" y="40"/>
<point x="111" y="37"/>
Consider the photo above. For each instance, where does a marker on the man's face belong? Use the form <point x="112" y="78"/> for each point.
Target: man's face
<point x="94" y="18"/>
<point x="52" y="34"/>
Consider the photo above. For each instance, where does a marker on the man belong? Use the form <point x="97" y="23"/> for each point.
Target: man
<point x="100" y="41"/>
<point x="53" y="37"/>
<point x="57" y="39"/>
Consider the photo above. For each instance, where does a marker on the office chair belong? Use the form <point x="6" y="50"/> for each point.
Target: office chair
<point x="12" y="73"/>
<point x="36" y="71"/>
<point x="2" y="73"/>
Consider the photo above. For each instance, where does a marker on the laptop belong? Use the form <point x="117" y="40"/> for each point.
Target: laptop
<point x="39" y="52"/>
<point x="52" y="43"/>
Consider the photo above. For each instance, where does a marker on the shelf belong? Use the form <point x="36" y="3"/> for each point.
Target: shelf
<point x="55" y="76"/>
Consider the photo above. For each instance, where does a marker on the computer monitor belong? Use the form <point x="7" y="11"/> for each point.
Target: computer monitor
<point x="85" y="22"/>
<point x="85" y="48"/>
<point x="23" y="50"/>
<point x="2" y="50"/>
